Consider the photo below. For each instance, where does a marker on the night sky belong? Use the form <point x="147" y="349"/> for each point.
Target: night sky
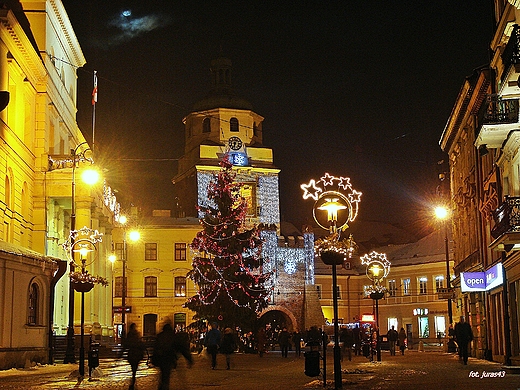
<point x="359" y="89"/>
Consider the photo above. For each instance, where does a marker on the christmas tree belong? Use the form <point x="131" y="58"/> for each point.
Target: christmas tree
<point x="227" y="267"/>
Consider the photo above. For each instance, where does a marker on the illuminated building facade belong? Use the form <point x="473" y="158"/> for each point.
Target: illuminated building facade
<point x="481" y="139"/>
<point x="39" y="57"/>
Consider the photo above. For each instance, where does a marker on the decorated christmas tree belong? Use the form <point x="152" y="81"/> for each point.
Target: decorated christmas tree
<point x="227" y="267"/>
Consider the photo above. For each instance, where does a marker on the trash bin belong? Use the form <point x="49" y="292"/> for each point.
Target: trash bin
<point x="312" y="363"/>
<point x="93" y="357"/>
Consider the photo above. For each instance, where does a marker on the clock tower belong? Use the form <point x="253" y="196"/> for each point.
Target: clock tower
<point x="224" y="123"/>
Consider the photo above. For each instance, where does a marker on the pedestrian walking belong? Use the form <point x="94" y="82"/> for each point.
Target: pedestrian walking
<point x="347" y="338"/>
<point x="357" y="340"/>
<point x="212" y="343"/>
<point x="135" y="350"/>
<point x="228" y="346"/>
<point x="402" y="340"/>
<point x="392" y="337"/>
<point x="283" y="340"/>
<point x="297" y="341"/>
<point x="464" y="336"/>
<point x="261" y="339"/>
<point x="168" y="346"/>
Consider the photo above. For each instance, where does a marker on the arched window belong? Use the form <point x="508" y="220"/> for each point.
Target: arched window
<point x="255" y="129"/>
<point x="233" y="125"/>
<point x="206" y="125"/>
<point x="32" y="318"/>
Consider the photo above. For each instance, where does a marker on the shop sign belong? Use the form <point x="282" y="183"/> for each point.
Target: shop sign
<point x="482" y="281"/>
<point x="420" y="312"/>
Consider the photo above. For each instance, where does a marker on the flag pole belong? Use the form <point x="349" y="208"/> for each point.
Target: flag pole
<point x="94" y="101"/>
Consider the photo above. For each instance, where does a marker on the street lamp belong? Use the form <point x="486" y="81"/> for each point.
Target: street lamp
<point x="90" y="177"/>
<point x="83" y="241"/>
<point x="377" y="269"/>
<point x="442" y="214"/>
<point x="337" y="198"/>
<point x="133" y="235"/>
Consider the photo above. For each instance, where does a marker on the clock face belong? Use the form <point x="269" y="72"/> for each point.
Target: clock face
<point x="235" y="143"/>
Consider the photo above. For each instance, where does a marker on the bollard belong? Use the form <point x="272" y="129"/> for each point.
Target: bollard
<point x="421" y="346"/>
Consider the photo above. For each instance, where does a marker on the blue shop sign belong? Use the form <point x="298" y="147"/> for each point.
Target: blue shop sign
<point x="482" y="281"/>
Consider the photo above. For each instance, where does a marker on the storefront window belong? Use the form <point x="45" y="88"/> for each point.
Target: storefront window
<point x="424" y="329"/>
<point x="440" y="326"/>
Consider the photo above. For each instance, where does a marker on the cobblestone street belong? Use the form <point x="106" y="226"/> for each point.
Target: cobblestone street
<point x="414" y="370"/>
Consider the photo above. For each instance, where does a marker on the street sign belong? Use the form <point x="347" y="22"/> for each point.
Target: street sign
<point x="119" y="309"/>
<point x="446" y="293"/>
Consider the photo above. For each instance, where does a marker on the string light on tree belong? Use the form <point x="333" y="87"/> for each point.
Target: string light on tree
<point x="227" y="264"/>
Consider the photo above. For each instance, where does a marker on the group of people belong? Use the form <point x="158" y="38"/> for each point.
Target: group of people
<point x="168" y="347"/>
<point x="396" y="338"/>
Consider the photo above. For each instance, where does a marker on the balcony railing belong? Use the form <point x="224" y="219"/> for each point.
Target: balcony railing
<point x="499" y="111"/>
<point x="507" y="217"/>
<point x="511" y="54"/>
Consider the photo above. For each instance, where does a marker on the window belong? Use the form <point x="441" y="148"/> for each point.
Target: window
<point x="318" y="290"/>
<point x="406" y="286"/>
<point x="150" y="286"/>
<point x="33" y="305"/>
<point x="206" y="125"/>
<point x="392" y="288"/>
<point x="424" y="329"/>
<point x="392" y="321"/>
<point x="233" y="125"/>
<point x="150" y="251"/>
<point x="439" y="282"/>
<point x="119" y="250"/>
<point x="423" y="285"/>
<point x="118" y="287"/>
<point x="440" y="326"/>
<point x="180" y="251"/>
<point x="180" y="286"/>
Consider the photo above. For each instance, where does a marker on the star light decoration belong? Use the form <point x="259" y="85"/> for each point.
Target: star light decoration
<point x="334" y="188"/>
<point x="378" y="267"/>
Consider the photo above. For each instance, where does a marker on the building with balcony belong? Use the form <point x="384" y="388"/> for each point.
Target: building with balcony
<point x="481" y="139"/>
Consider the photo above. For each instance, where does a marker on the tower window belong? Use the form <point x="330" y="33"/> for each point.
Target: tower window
<point x="233" y="125"/>
<point x="206" y="125"/>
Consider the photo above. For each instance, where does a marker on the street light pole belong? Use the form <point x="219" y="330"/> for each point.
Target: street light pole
<point x="123" y="297"/>
<point x="448" y="276"/>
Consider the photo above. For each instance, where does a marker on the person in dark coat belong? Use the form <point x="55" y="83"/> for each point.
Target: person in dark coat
<point x="212" y="343"/>
<point x="261" y="339"/>
<point x="464" y="336"/>
<point x="135" y="350"/>
<point x="392" y="337"/>
<point x="228" y="345"/>
<point x="168" y="346"/>
<point x="402" y="340"/>
<point x="347" y="338"/>
<point x="284" y="341"/>
<point x="297" y="341"/>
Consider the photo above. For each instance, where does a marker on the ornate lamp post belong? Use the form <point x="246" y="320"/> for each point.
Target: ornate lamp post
<point x="81" y="153"/>
<point x="377" y="269"/>
<point x="339" y="200"/>
<point x="83" y="241"/>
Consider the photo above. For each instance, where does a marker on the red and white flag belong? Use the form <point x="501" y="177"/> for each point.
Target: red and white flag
<point x="94" y="91"/>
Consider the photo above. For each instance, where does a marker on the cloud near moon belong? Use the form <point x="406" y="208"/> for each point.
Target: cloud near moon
<point x="130" y="27"/>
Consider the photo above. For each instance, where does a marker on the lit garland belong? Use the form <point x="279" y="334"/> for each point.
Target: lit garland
<point x="345" y="247"/>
